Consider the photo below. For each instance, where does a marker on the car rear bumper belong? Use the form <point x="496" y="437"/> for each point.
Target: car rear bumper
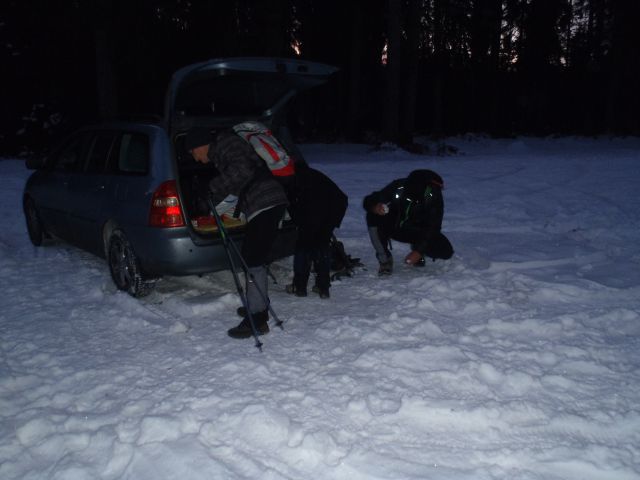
<point x="172" y="251"/>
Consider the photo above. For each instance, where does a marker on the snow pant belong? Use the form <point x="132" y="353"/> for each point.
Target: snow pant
<point x="312" y="247"/>
<point x="261" y="233"/>
<point x="382" y="229"/>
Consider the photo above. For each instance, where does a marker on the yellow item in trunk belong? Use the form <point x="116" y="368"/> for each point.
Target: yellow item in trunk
<point x="207" y="224"/>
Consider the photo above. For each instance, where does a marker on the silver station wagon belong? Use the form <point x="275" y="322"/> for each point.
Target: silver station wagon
<point x="130" y="193"/>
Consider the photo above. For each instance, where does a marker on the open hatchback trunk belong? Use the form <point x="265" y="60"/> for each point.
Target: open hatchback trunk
<point x="220" y="93"/>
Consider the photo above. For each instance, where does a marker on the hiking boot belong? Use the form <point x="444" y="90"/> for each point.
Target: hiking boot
<point x="386" y="268"/>
<point x="298" y="292"/>
<point x="323" y="292"/>
<point x="243" y="330"/>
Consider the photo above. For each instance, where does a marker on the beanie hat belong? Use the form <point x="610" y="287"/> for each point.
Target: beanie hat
<point x="197" y="137"/>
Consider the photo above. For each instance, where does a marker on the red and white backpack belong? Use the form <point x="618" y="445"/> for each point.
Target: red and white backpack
<point x="267" y="147"/>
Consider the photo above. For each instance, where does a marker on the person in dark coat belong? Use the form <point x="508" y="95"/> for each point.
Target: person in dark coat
<point x="317" y="207"/>
<point x="408" y="210"/>
<point x="260" y="198"/>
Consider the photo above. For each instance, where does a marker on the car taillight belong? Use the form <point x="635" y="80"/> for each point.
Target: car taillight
<point x="165" y="207"/>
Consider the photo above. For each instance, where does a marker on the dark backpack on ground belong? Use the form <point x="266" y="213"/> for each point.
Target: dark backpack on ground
<point x="342" y="264"/>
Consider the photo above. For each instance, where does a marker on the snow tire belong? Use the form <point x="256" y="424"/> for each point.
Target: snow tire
<point x="125" y="267"/>
<point x="35" y="228"/>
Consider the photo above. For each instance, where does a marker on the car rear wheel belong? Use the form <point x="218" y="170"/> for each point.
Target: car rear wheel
<point x="125" y="267"/>
<point x="34" y="224"/>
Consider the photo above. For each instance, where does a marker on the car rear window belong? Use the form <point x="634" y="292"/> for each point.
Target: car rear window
<point x="220" y="97"/>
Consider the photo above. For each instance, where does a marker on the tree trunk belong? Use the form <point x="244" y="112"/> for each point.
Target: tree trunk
<point x="411" y="58"/>
<point x="622" y="101"/>
<point x="439" y="66"/>
<point x="355" y="73"/>
<point x="485" y="44"/>
<point x="391" y="123"/>
<point x="273" y="22"/>
<point x="106" y="84"/>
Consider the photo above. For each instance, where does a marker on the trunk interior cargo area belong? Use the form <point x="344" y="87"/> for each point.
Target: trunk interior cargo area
<point x="193" y="179"/>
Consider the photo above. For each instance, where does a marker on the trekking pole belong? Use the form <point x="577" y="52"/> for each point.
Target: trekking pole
<point x="264" y="296"/>
<point x="230" y="244"/>
<point x="226" y="241"/>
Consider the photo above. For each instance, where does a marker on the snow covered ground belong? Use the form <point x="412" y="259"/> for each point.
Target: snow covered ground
<point x="517" y="359"/>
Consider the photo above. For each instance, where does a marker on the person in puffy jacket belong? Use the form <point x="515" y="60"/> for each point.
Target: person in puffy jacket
<point x="261" y="198"/>
<point x="317" y="207"/>
<point x="408" y="210"/>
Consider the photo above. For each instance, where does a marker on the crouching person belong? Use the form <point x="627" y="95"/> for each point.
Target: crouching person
<point x="262" y="200"/>
<point x="408" y="210"/>
<point x="317" y="207"/>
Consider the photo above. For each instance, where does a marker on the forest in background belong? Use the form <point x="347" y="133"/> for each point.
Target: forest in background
<point x="407" y="67"/>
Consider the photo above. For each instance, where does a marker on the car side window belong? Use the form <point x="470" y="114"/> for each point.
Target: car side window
<point x="99" y="150"/>
<point x="70" y="157"/>
<point x="133" y="155"/>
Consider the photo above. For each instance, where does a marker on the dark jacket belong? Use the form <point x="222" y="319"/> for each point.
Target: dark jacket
<point x="316" y="202"/>
<point x="243" y="173"/>
<point x="416" y="206"/>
